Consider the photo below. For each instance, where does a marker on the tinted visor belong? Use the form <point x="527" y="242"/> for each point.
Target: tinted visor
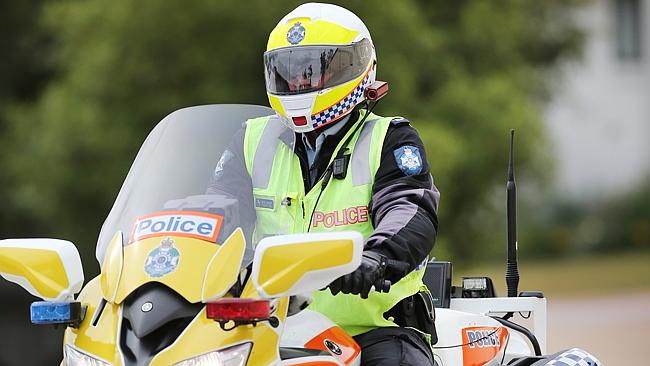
<point x="297" y="70"/>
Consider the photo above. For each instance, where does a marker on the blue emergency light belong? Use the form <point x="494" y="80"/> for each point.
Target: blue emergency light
<point x="48" y="312"/>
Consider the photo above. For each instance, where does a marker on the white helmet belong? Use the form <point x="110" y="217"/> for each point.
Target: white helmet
<point x="318" y="62"/>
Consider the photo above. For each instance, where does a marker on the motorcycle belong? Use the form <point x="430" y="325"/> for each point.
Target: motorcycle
<point x="184" y="281"/>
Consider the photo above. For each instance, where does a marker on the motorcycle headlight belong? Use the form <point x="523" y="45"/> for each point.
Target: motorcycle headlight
<point x="74" y="357"/>
<point x="232" y="356"/>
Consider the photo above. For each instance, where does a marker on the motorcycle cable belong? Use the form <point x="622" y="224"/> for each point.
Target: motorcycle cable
<point x="531" y="337"/>
<point x="469" y="343"/>
<point x="327" y="174"/>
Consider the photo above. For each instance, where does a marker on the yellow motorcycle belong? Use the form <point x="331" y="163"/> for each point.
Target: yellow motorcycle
<point x="181" y="282"/>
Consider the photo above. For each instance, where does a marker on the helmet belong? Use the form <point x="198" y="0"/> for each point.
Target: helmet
<point x="318" y="62"/>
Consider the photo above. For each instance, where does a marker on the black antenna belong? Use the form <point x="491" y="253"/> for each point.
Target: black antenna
<point x="512" y="273"/>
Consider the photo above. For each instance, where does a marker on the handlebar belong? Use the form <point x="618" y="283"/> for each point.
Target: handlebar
<point x="392" y="266"/>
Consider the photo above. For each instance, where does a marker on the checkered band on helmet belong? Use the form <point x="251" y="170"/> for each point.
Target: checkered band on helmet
<point x="574" y="357"/>
<point x="339" y="109"/>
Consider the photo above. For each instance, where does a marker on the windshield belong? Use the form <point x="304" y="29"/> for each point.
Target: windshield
<point x="166" y="189"/>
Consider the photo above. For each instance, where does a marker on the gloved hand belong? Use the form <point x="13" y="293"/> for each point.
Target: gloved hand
<point x="359" y="282"/>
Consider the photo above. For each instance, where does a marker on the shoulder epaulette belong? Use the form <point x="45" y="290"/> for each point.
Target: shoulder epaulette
<point x="399" y="120"/>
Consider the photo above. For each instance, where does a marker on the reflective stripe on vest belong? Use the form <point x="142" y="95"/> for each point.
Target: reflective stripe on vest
<point x="263" y="160"/>
<point x="283" y="207"/>
<point x="361" y="173"/>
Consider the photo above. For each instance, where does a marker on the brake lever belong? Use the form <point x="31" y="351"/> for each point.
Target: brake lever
<point x="390" y="265"/>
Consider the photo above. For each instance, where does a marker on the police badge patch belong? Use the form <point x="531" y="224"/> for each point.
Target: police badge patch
<point x="296" y="33"/>
<point x="163" y="259"/>
<point x="408" y="159"/>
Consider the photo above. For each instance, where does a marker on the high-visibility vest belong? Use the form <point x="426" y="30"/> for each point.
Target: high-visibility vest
<point x="283" y="207"/>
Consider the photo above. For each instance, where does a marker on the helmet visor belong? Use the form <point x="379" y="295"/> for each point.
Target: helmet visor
<point x="297" y="70"/>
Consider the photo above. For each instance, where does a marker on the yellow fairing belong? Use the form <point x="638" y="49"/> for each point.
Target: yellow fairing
<point x="223" y="268"/>
<point x="317" y="32"/>
<point x="201" y="336"/>
<point x="99" y="340"/>
<point x="283" y="266"/>
<point x="204" y="335"/>
<point x="195" y="256"/>
<point x="41" y="268"/>
<point x="112" y="268"/>
<point x="187" y="279"/>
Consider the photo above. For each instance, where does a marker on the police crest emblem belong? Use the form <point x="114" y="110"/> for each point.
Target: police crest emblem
<point x="296" y="33"/>
<point x="408" y="159"/>
<point x="163" y="259"/>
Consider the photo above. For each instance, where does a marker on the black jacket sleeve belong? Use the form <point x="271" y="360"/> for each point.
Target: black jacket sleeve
<point x="231" y="178"/>
<point x="404" y="202"/>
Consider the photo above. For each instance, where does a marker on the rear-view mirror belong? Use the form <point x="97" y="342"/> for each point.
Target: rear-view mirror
<point x="286" y="265"/>
<point x="47" y="268"/>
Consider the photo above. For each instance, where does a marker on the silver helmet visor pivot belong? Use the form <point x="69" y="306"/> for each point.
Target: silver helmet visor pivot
<point x="304" y="69"/>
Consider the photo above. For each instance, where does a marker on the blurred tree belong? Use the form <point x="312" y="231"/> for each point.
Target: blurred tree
<point x="24" y="71"/>
<point x="464" y="72"/>
<point x="609" y="224"/>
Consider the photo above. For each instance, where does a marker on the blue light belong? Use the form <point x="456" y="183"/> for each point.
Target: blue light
<point x="46" y="312"/>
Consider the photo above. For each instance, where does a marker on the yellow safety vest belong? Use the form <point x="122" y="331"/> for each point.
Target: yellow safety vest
<point x="283" y="207"/>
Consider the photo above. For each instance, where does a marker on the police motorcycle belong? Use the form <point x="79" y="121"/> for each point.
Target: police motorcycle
<point x="183" y="283"/>
<point x="475" y="327"/>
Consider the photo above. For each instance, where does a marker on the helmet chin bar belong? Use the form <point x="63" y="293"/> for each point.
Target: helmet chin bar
<point x="330" y="123"/>
<point x="299" y="121"/>
<point x="299" y="108"/>
<point x="297" y="126"/>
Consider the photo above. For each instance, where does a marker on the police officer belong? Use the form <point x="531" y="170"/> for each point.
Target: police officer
<point x="346" y="169"/>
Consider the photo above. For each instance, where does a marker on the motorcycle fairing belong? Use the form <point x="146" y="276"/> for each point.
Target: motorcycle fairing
<point x="111" y="268"/>
<point x="312" y="330"/>
<point x="203" y="270"/>
<point x="201" y="336"/>
<point x="204" y="335"/>
<point x="311" y="361"/>
<point x="483" y="344"/>
<point x="97" y="334"/>
<point x="223" y="268"/>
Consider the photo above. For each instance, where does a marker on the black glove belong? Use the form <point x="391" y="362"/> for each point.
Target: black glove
<point x="359" y="282"/>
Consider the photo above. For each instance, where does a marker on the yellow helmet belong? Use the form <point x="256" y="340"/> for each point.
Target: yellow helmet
<point x="318" y="62"/>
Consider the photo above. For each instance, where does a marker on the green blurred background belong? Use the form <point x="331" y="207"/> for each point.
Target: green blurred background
<point x="83" y="82"/>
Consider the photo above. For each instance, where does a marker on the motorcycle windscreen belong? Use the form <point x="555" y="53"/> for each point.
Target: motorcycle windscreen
<point x="186" y="193"/>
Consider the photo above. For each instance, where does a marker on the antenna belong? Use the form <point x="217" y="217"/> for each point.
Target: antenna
<point x="512" y="273"/>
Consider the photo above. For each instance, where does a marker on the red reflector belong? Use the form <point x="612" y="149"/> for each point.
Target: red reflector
<point x="300" y="121"/>
<point x="238" y="309"/>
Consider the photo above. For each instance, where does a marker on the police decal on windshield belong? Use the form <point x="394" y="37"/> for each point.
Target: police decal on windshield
<point x="408" y="159"/>
<point x="198" y="225"/>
